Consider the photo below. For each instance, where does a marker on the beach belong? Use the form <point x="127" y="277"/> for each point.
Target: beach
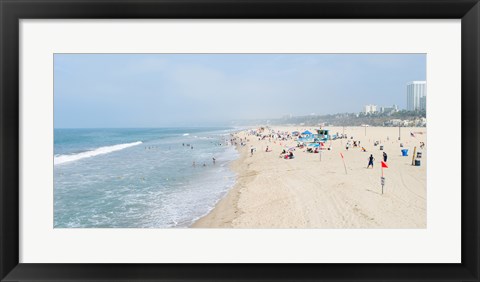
<point x="324" y="190"/>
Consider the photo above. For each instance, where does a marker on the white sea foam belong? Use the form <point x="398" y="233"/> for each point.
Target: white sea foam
<point x="186" y="134"/>
<point x="61" y="159"/>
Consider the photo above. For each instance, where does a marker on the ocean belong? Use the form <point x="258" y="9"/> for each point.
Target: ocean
<point x="139" y="178"/>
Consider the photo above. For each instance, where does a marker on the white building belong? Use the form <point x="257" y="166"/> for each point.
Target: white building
<point x="423" y="103"/>
<point x="389" y="110"/>
<point x="370" y="109"/>
<point x="415" y="91"/>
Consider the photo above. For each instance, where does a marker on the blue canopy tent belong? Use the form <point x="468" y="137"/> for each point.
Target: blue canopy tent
<point x="306" y="132"/>
<point x="306" y="139"/>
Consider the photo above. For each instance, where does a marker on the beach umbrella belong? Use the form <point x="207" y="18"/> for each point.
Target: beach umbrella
<point x="306" y="132"/>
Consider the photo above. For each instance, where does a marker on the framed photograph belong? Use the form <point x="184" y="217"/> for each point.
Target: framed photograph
<point x="239" y="140"/>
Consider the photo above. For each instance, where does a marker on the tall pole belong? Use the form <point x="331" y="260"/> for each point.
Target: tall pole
<point x="344" y="165"/>
<point x="382" y="180"/>
<point x="399" y="132"/>
<point x="414" y="153"/>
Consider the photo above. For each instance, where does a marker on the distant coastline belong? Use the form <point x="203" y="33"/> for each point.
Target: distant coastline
<point x="400" y="118"/>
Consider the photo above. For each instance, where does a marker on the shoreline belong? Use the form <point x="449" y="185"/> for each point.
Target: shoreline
<point x="313" y="192"/>
<point x="226" y="209"/>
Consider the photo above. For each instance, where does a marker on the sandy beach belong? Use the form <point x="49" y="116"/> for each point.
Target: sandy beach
<point x="314" y="191"/>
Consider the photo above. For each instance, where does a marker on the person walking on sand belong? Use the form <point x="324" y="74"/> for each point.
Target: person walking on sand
<point x="385" y="157"/>
<point x="251" y="151"/>
<point x="422" y="145"/>
<point x="370" y="161"/>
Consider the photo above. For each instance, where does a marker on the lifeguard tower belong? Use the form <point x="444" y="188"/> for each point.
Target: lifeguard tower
<point x="324" y="135"/>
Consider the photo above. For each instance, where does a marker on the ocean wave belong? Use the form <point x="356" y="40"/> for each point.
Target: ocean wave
<point x="186" y="134"/>
<point x="61" y="159"/>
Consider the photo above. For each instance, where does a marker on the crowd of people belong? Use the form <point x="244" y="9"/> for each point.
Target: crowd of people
<point x="283" y="139"/>
<point x="286" y="138"/>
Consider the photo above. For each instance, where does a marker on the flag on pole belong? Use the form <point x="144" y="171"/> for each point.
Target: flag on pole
<point x="384" y="165"/>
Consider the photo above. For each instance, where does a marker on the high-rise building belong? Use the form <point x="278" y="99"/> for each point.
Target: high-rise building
<point x="423" y="103"/>
<point x="415" y="91"/>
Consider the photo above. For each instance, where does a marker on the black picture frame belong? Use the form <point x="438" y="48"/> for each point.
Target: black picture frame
<point x="11" y="11"/>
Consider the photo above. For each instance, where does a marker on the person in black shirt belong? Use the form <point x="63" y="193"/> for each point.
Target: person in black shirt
<point x="370" y="161"/>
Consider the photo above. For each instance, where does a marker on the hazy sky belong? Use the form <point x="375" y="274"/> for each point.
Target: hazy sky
<point x="156" y="90"/>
